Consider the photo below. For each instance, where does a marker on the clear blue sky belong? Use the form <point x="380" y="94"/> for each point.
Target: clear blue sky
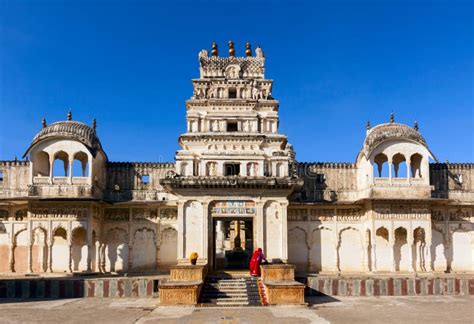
<point x="335" y="65"/>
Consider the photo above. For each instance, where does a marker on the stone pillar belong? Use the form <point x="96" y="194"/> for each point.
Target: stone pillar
<point x="284" y="232"/>
<point x="411" y="246"/>
<point x="374" y="257"/>
<point x="11" y="260"/>
<point x="206" y="235"/>
<point x="336" y="257"/>
<point x="408" y="171"/>
<point x="259" y="226"/>
<point x="181" y="234"/>
<point x="390" y="171"/>
<point x="102" y="257"/>
<point x="391" y="242"/>
<point x="51" y="162"/>
<point x="70" y="171"/>
<point x="29" y="254"/>
<point x="50" y="255"/>
<point x="70" y="257"/>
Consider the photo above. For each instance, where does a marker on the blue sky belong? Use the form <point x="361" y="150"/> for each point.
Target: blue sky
<point x="336" y="64"/>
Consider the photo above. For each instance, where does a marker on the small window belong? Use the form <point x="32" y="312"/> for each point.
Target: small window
<point x="232" y="126"/>
<point x="232" y="93"/>
<point x="232" y="169"/>
<point x="320" y="178"/>
<point x="1" y="176"/>
<point x="145" y="179"/>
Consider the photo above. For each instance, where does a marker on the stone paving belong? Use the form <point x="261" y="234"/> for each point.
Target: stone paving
<point x="430" y="309"/>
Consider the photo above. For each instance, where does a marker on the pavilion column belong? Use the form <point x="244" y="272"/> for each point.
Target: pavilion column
<point x="336" y="257"/>
<point x="428" y="257"/>
<point x="90" y="249"/>
<point x="51" y="164"/>
<point x="103" y="263"/>
<point x="50" y="255"/>
<point x="70" y="171"/>
<point x="29" y="268"/>
<point x="408" y="170"/>
<point x="390" y="171"/>
<point x="374" y="257"/>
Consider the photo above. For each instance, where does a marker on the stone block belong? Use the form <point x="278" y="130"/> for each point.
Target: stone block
<point x="276" y="272"/>
<point x="284" y="292"/>
<point x="180" y="292"/>
<point x="188" y="272"/>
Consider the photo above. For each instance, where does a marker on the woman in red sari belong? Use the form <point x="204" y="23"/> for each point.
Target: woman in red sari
<point x="255" y="262"/>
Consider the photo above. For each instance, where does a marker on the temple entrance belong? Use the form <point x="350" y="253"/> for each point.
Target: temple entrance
<point x="233" y="242"/>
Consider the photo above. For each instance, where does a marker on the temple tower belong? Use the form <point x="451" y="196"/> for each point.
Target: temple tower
<point x="233" y="165"/>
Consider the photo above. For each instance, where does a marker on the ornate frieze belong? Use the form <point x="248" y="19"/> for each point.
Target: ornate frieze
<point x="74" y="212"/>
<point x="168" y="213"/>
<point x="401" y="212"/>
<point x="116" y="214"/>
<point x="144" y="214"/>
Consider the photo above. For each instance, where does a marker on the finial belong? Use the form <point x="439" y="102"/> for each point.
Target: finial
<point x="69" y="115"/>
<point x="214" y="51"/>
<point x="368" y="125"/>
<point x="231" y="49"/>
<point x="43" y="122"/>
<point x="94" y="124"/>
<point x="392" y="117"/>
<point x="248" y="49"/>
<point x="259" y="52"/>
<point x="416" y="126"/>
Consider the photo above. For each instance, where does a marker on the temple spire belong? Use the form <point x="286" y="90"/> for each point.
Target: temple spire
<point x="248" y="49"/>
<point x="69" y="115"/>
<point x="231" y="49"/>
<point x="214" y="50"/>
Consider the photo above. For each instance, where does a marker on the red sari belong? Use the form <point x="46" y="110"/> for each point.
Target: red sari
<point x="255" y="262"/>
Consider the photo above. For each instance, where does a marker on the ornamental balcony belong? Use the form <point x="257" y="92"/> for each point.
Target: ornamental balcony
<point x="64" y="187"/>
<point x="397" y="188"/>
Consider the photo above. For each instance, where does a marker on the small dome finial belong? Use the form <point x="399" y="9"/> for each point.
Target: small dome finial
<point x="416" y="126"/>
<point x="94" y="124"/>
<point x="231" y="49"/>
<point x="248" y="49"/>
<point x="367" y="126"/>
<point x="392" y="117"/>
<point x="43" y="122"/>
<point x="69" y="115"/>
<point x="214" y="50"/>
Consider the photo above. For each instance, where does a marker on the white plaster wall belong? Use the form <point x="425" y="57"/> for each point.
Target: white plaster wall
<point x="462" y="251"/>
<point x="350" y="251"/>
<point x="168" y="252"/>
<point x="144" y="250"/>
<point x="298" y="249"/>
<point x="193" y="228"/>
<point x="116" y="251"/>
<point x="383" y="254"/>
<point x="322" y="250"/>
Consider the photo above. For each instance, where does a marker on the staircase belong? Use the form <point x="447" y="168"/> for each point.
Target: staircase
<point x="231" y="292"/>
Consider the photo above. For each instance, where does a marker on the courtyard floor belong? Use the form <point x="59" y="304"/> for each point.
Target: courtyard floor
<point x="429" y="309"/>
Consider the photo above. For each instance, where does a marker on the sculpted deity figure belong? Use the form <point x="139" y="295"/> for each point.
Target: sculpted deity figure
<point x="221" y="125"/>
<point x="246" y="126"/>
<point x="203" y="53"/>
<point x="255" y="93"/>
<point x="215" y="125"/>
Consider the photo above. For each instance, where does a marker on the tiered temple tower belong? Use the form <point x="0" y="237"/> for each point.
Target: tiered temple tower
<point x="232" y="120"/>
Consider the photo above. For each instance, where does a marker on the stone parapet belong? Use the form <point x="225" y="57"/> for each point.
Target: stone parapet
<point x="180" y="292"/>
<point x="188" y="272"/>
<point x="284" y="292"/>
<point x="278" y="272"/>
<point x="390" y="286"/>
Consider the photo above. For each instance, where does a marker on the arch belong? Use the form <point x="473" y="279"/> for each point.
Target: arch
<point x="298" y="248"/>
<point x="415" y="165"/>
<point x="401" y="249"/>
<point x="41" y="164"/>
<point x="322" y="250"/>
<point x="79" y="249"/>
<point x="168" y="250"/>
<point x="399" y="166"/>
<point x="419" y="247"/>
<point x="439" y="250"/>
<point x="350" y="253"/>
<point x="80" y="165"/>
<point x="381" y="161"/>
<point x="144" y="250"/>
<point x="39" y="250"/>
<point x="58" y="169"/>
<point x="20" y="251"/>
<point x="116" y="250"/>
<point x="382" y="249"/>
<point x="60" y="250"/>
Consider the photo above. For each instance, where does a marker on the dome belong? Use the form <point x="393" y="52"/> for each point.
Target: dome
<point x="69" y="129"/>
<point x="385" y="132"/>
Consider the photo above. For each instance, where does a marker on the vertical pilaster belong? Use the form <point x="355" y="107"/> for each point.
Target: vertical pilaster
<point x="411" y="247"/>
<point x="391" y="242"/>
<point x="284" y="232"/>
<point x="260" y="226"/>
<point x="181" y="234"/>
<point x="11" y="260"/>
<point x="205" y="232"/>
